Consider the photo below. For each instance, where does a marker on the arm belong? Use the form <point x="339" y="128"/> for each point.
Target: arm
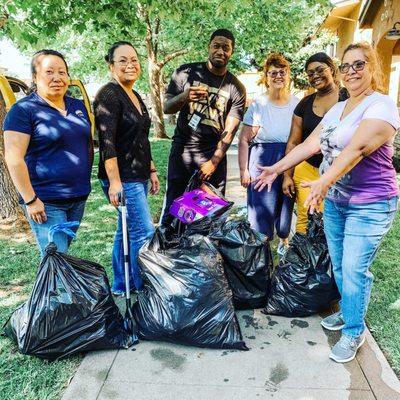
<point x="111" y="166"/>
<point x="173" y="104"/>
<point x="155" y="183"/>
<point x="293" y="141"/>
<point x="176" y="96"/>
<point x="369" y="136"/>
<point x="15" y="146"/>
<point x="246" y="135"/>
<point x="209" y="167"/>
<point x="106" y="112"/>
<point x="300" y="153"/>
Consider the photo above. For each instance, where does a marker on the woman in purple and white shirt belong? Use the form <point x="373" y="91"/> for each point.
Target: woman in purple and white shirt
<point x="358" y="183"/>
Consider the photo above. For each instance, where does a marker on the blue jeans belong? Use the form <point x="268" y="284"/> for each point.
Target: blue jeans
<point x="57" y="214"/>
<point x="140" y="229"/>
<point x="354" y="233"/>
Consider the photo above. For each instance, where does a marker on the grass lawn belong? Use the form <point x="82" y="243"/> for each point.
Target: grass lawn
<point x="383" y="316"/>
<point x="28" y="378"/>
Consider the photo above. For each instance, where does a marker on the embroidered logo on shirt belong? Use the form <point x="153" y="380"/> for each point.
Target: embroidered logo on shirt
<point x="79" y="113"/>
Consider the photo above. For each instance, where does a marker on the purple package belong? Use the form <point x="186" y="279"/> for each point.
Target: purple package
<point x="196" y="204"/>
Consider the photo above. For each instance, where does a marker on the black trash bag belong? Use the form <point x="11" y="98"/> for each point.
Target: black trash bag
<point x="247" y="260"/>
<point x="70" y="310"/>
<point x="303" y="283"/>
<point x="186" y="298"/>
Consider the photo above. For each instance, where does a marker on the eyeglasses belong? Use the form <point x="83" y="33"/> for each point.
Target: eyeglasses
<point x="274" y="74"/>
<point x="317" y="71"/>
<point x="358" y="65"/>
<point x="125" y="63"/>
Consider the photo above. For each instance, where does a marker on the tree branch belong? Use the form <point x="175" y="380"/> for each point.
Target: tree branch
<point x="171" y="56"/>
<point x="4" y="14"/>
<point x="155" y="36"/>
<point x="143" y="13"/>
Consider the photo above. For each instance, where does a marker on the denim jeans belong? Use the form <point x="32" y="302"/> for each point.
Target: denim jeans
<point x="57" y="214"/>
<point x="354" y="233"/>
<point x="140" y="229"/>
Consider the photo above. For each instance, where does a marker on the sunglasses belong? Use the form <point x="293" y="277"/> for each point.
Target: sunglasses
<point x="317" y="71"/>
<point x="358" y="65"/>
<point x="274" y="74"/>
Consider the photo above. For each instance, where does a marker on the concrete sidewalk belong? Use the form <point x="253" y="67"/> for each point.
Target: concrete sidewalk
<point x="288" y="359"/>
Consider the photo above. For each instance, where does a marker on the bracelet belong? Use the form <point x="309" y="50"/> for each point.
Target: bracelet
<point x="28" y="203"/>
<point x="153" y="170"/>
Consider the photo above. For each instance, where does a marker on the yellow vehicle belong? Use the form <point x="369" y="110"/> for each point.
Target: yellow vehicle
<point x="13" y="89"/>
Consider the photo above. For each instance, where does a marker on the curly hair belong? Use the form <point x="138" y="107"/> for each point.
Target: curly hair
<point x="276" y="60"/>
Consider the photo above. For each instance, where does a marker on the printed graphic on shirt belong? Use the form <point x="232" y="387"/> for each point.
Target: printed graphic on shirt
<point x="211" y="109"/>
<point x="331" y="151"/>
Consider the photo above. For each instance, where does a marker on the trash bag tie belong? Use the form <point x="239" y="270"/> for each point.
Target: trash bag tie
<point x="51" y="248"/>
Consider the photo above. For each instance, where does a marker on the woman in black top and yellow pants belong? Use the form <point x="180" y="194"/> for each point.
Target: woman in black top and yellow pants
<point x="123" y="125"/>
<point x="321" y="72"/>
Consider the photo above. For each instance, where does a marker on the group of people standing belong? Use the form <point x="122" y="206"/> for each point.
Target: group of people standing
<point x="335" y="145"/>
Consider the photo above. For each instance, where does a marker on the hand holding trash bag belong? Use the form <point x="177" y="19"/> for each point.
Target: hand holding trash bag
<point x="70" y="309"/>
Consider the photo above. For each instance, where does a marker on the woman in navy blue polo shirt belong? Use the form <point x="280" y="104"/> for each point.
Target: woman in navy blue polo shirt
<point x="48" y="149"/>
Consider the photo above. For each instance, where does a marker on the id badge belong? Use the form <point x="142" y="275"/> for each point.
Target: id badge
<point x="195" y="120"/>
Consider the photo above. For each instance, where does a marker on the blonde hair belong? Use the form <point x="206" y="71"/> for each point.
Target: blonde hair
<point x="371" y="56"/>
<point x="273" y="60"/>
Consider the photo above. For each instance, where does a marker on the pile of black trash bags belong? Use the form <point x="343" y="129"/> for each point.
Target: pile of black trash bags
<point x="194" y="282"/>
<point x="194" y="279"/>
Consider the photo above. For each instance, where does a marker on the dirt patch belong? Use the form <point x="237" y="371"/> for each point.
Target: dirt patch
<point x="278" y="374"/>
<point x="251" y="321"/>
<point x="299" y="323"/>
<point x="168" y="358"/>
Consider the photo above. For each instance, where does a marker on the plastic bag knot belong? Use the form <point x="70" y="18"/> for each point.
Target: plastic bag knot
<point x="51" y="248"/>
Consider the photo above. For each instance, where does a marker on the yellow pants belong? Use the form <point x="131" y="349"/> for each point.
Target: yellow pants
<point x="304" y="172"/>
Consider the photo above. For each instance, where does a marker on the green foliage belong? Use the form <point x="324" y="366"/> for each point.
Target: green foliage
<point x="83" y="30"/>
<point x="383" y="316"/>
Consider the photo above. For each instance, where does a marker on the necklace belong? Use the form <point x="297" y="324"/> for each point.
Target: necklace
<point x="326" y="91"/>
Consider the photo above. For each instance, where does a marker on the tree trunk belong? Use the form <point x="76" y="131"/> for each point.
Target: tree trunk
<point x="10" y="210"/>
<point x="155" y="67"/>
<point x="155" y="95"/>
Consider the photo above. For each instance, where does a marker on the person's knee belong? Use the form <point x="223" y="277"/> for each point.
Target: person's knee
<point x="283" y="233"/>
<point x="283" y="229"/>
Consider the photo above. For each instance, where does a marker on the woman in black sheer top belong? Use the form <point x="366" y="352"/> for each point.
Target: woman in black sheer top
<point x="125" y="163"/>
